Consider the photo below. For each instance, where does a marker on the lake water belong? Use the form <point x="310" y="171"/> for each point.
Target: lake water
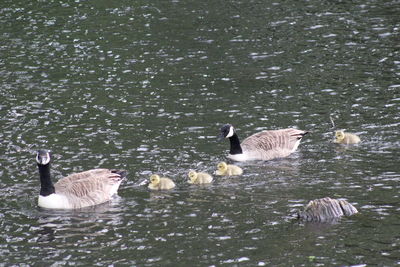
<point x="146" y="85"/>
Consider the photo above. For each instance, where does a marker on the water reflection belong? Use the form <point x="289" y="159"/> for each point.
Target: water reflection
<point x="46" y="234"/>
<point x="88" y="222"/>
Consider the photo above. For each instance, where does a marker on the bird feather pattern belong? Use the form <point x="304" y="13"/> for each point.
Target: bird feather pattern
<point x="273" y="143"/>
<point x="89" y="187"/>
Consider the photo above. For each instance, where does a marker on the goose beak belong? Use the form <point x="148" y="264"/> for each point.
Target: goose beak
<point x="220" y="137"/>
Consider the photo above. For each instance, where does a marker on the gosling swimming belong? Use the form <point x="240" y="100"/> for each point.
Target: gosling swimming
<point x="224" y="169"/>
<point x="346" y="138"/>
<point x="265" y="145"/>
<point x="199" y="178"/>
<point x="160" y="183"/>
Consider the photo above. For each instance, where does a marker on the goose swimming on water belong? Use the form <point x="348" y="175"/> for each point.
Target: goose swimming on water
<point x="265" y="145"/>
<point x="77" y="190"/>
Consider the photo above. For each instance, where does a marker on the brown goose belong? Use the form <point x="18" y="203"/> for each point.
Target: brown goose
<point x="77" y="190"/>
<point x="326" y="210"/>
<point x="265" y="145"/>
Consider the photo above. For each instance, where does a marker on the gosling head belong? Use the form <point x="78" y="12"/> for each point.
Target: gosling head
<point x="192" y="176"/>
<point x="43" y="157"/>
<point x="154" y="179"/>
<point x="339" y="136"/>
<point x="222" y="167"/>
<point x="226" y="131"/>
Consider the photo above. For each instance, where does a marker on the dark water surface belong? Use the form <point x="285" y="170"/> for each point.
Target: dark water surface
<point x="145" y="86"/>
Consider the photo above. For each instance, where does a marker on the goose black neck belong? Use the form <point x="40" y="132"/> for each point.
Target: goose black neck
<point x="235" y="145"/>
<point x="46" y="186"/>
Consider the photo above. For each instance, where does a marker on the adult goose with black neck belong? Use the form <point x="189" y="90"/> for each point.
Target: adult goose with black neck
<point x="77" y="190"/>
<point x="265" y="145"/>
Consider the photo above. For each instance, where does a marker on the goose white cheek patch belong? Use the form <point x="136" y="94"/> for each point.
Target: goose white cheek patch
<point x="46" y="161"/>
<point x="230" y="134"/>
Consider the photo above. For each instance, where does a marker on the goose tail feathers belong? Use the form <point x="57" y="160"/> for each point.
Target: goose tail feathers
<point x="121" y="173"/>
<point x="300" y="134"/>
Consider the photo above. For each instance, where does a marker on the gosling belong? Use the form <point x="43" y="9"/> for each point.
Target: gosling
<point x="163" y="183"/>
<point x="199" y="178"/>
<point x="224" y="169"/>
<point x="346" y="138"/>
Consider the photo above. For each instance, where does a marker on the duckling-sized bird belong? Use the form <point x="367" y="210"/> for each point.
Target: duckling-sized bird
<point x="224" y="169"/>
<point x="265" y="145"/>
<point x="77" y="190"/>
<point x="163" y="183"/>
<point x="199" y="178"/>
<point x="346" y="138"/>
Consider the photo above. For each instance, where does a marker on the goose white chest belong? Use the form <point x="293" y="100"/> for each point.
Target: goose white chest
<point x="54" y="201"/>
<point x="239" y="157"/>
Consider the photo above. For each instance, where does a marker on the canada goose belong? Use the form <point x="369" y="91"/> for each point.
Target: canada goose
<point x="264" y="145"/>
<point x="77" y="190"/>
<point x="163" y="183"/>
<point x="199" y="178"/>
<point x="346" y="138"/>
<point x="224" y="169"/>
<point x="326" y="210"/>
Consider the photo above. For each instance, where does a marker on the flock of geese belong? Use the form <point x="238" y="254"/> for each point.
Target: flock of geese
<point x="97" y="186"/>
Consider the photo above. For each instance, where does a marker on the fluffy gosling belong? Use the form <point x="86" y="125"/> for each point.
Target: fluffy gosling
<point x="199" y="178"/>
<point x="224" y="169"/>
<point x="163" y="183"/>
<point x="346" y="138"/>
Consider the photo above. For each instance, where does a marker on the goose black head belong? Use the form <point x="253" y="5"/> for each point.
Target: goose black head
<point x="43" y="157"/>
<point x="226" y="131"/>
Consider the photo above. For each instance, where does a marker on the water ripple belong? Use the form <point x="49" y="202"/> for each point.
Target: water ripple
<point x="147" y="87"/>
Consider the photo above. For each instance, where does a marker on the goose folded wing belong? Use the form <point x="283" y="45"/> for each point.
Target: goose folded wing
<point x="87" y="183"/>
<point x="270" y="140"/>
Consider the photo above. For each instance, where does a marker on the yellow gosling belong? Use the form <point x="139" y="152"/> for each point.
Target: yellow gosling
<point x="224" y="169"/>
<point x="163" y="183"/>
<point x="199" y="178"/>
<point x="346" y="138"/>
